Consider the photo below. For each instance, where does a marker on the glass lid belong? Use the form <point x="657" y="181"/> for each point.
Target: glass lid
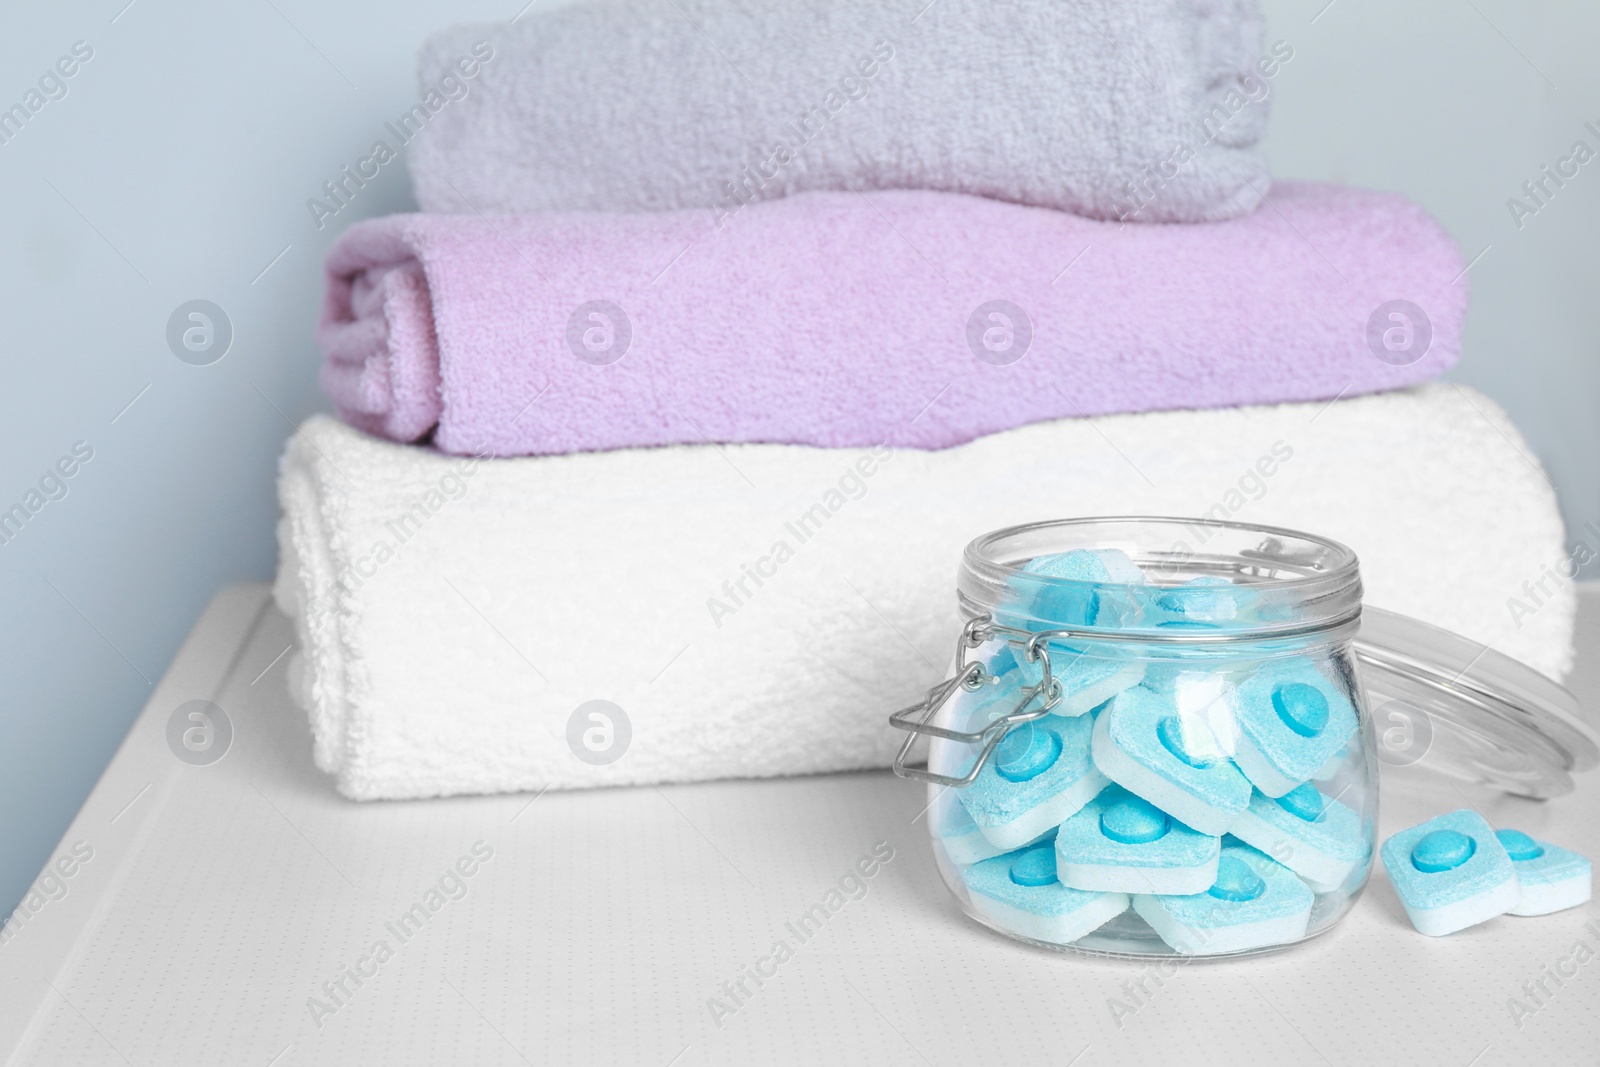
<point x="1443" y="701"/>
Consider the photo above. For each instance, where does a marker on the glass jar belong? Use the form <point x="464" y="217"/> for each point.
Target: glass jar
<point x="1156" y="739"/>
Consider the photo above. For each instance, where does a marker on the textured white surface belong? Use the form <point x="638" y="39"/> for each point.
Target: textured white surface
<point x="1554" y="896"/>
<point x="1035" y="823"/>
<point x="1057" y="929"/>
<point x="469" y="635"/>
<point x="1191" y="939"/>
<point x="1451" y="918"/>
<point x="221" y="897"/>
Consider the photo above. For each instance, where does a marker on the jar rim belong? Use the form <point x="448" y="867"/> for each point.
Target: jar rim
<point x="1314" y="580"/>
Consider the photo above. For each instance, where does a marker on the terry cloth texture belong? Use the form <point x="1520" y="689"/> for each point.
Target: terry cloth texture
<point x="758" y="610"/>
<point x="1106" y="108"/>
<point x="916" y="319"/>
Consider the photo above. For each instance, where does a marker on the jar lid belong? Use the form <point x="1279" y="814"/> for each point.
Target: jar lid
<point x="1447" y="702"/>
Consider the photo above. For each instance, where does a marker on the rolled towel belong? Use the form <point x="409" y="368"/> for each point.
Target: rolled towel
<point x="915" y="319"/>
<point x="1148" y="109"/>
<point x="758" y="609"/>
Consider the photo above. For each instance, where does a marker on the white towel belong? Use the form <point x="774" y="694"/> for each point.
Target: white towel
<point x="1149" y="109"/>
<point x="454" y="613"/>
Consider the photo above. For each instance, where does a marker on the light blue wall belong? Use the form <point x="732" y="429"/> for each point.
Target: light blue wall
<point x="1457" y="104"/>
<point x="178" y="165"/>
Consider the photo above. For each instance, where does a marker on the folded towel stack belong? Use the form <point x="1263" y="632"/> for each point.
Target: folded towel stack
<point x="878" y="279"/>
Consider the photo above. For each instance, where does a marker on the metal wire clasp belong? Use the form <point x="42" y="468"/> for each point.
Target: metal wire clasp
<point x="970" y="677"/>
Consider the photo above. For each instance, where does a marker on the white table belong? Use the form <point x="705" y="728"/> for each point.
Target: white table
<point x="220" y="898"/>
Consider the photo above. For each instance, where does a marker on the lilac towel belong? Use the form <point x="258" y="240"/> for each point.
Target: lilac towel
<point x="919" y="319"/>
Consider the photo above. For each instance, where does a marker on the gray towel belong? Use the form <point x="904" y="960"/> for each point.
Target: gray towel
<point x="1139" y="109"/>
